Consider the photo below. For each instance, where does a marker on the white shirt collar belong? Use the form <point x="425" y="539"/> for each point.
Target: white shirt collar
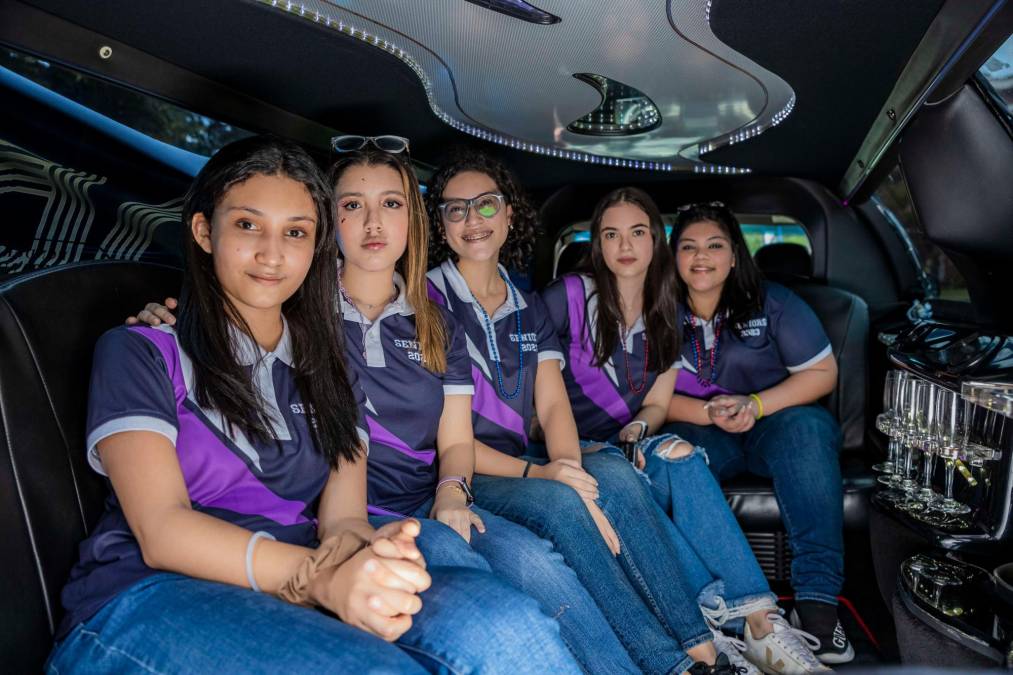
<point x="399" y="305"/>
<point x="248" y="352"/>
<point x="460" y="287"/>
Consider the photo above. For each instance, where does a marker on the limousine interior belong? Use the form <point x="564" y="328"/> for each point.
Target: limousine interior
<point x="863" y="143"/>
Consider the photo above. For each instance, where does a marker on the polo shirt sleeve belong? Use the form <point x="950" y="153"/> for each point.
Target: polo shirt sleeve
<point x="130" y="390"/>
<point x="557" y="310"/>
<point x="549" y="347"/>
<point x="361" y="427"/>
<point x="800" y="338"/>
<point x="457" y="378"/>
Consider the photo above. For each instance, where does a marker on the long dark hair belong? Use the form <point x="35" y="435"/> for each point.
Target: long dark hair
<point x="742" y="294"/>
<point x="659" y="307"/>
<point x="429" y="326"/>
<point x="205" y="312"/>
<point x="520" y="242"/>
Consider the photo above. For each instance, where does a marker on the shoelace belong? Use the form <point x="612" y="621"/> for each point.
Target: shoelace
<point x="796" y="641"/>
<point x="734" y="649"/>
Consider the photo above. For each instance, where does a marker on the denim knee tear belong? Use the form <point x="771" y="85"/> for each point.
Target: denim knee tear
<point x="661" y="446"/>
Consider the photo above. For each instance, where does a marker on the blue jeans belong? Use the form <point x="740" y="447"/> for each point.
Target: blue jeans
<point x="174" y="623"/>
<point x="797" y="447"/>
<point x="648" y="606"/>
<point x="531" y="565"/>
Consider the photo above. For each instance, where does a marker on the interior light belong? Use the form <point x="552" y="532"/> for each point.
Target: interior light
<point x="624" y="111"/>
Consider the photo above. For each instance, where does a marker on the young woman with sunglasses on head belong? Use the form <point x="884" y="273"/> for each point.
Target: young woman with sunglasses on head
<point x="238" y="436"/>
<point x="756" y="359"/>
<point x="481" y="223"/>
<point x="412" y="360"/>
<point x="615" y="321"/>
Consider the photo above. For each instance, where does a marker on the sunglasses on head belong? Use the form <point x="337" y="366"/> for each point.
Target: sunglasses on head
<point x="694" y="205"/>
<point x="391" y="144"/>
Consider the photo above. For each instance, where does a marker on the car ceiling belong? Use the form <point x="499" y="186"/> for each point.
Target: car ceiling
<point x="835" y="63"/>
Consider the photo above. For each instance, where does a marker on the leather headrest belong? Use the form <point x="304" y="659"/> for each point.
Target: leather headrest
<point x="784" y="261"/>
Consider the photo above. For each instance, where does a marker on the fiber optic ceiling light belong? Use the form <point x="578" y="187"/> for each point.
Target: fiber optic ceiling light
<point x="511" y="81"/>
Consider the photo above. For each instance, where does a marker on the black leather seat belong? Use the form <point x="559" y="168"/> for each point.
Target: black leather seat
<point x="49" y="498"/>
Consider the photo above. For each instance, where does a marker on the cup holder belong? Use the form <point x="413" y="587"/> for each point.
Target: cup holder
<point x="1003" y="575"/>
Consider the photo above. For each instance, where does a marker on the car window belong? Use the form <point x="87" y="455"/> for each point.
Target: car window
<point x="758" y="229"/>
<point x="997" y="75"/>
<point x="64" y="200"/>
<point x="151" y="116"/>
<point x="938" y="276"/>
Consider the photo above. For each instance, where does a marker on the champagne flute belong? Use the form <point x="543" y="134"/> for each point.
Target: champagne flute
<point x="913" y="429"/>
<point x="899" y="396"/>
<point x="952" y="438"/>
<point x="930" y="447"/>
<point x="917" y="434"/>
<point x="885" y="421"/>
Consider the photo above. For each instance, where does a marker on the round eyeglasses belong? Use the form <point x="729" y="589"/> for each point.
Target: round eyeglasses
<point x="391" y="144"/>
<point x="486" y="205"/>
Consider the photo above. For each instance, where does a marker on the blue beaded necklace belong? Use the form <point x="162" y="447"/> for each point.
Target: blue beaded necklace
<point x="490" y="334"/>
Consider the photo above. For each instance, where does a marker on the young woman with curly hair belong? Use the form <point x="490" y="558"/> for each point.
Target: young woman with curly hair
<point x="593" y="507"/>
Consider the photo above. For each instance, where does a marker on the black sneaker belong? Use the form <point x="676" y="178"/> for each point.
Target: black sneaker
<point x="721" y="667"/>
<point x="820" y="620"/>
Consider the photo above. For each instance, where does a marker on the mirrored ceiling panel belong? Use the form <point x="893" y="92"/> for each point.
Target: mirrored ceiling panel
<point x="540" y="87"/>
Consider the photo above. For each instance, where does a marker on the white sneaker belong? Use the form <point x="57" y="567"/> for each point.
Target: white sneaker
<point x="733" y="649"/>
<point x="785" y="650"/>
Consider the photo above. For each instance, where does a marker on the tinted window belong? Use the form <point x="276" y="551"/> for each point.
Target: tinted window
<point x="938" y="275"/>
<point x="69" y="195"/>
<point x="151" y="116"/>
<point x="758" y="230"/>
<point x="997" y="74"/>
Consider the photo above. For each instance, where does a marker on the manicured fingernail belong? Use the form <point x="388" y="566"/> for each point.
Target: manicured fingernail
<point x="370" y="566"/>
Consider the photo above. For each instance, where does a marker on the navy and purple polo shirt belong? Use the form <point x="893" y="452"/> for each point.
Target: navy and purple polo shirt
<point x="404" y="401"/>
<point x="143" y="381"/>
<point x="784" y="338"/>
<point x="499" y="422"/>
<point x="602" y="399"/>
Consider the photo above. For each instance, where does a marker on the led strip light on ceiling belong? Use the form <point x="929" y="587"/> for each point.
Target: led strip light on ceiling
<point x="442" y="88"/>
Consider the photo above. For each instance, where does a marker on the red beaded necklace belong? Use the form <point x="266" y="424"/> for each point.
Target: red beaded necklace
<point x="626" y="358"/>
<point x="697" y="352"/>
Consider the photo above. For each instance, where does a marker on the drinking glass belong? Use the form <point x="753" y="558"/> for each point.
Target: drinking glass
<point x="885" y="421"/>
<point x="952" y="437"/>
<point x="930" y="447"/>
<point x="899" y="393"/>
<point x="914" y="429"/>
<point x="917" y="435"/>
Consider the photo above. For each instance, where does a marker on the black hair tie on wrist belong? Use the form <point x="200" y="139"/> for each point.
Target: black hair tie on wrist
<point x="527" y="467"/>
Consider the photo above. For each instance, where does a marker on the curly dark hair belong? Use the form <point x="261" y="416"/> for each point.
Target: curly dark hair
<point x="520" y="242"/>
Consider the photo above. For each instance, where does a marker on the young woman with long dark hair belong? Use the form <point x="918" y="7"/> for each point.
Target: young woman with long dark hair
<point x="755" y="362"/>
<point x="412" y="363"/>
<point x="236" y="453"/>
<point x="616" y="322"/>
<point x="594" y="508"/>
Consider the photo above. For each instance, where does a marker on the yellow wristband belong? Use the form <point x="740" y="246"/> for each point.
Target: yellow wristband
<point x="759" y="405"/>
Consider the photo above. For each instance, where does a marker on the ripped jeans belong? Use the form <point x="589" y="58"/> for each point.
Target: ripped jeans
<point x="530" y="564"/>
<point x="713" y="555"/>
